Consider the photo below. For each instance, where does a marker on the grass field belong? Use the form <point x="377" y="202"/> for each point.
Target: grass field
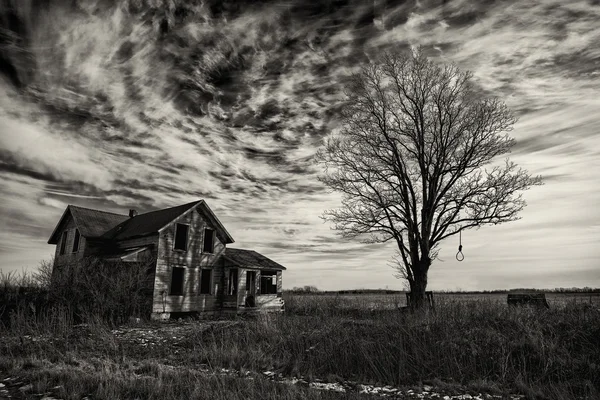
<point x="396" y="300"/>
<point x="468" y="345"/>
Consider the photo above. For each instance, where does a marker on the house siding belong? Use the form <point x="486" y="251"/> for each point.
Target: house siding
<point x="192" y="260"/>
<point x="62" y="259"/>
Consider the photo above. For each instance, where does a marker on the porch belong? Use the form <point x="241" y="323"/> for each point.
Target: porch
<point x="252" y="290"/>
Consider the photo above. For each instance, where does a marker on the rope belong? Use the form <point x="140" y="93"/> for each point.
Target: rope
<point x="460" y="256"/>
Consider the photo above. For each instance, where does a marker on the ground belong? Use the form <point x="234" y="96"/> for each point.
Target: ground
<point x="172" y="338"/>
<point x="322" y="347"/>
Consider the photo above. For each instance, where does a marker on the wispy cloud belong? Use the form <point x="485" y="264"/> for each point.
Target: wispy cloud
<point x="122" y="106"/>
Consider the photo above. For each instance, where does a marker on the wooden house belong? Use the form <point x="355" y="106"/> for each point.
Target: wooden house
<point x="194" y="270"/>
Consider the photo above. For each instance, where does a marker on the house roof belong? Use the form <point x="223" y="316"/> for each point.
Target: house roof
<point x="155" y="221"/>
<point x="105" y="225"/>
<point x="250" y="259"/>
<point x="91" y="223"/>
<point x="147" y="223"/>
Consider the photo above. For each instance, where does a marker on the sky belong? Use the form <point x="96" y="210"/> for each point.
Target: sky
<point x="148" y="104"/>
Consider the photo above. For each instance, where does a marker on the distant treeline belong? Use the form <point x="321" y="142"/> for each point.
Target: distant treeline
<point x="315" y="290"/>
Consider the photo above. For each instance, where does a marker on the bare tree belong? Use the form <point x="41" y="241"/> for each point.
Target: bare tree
<point x="409" y="160"/>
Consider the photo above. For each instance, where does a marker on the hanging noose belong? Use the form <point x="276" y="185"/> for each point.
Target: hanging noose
<point x="460" y="256"/>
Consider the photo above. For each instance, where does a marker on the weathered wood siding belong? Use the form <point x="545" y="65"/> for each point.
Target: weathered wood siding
<point x="192" y="260"/>
<point x="279" y="283"/>
<point x="69" y="257"/>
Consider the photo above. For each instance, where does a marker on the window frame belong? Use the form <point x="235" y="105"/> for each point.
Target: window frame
<point x="270" y="275"/>
<point x="210" y="281"/>
<point x="232" y="285"/>
<point x="212" y="250"/>
<point x="182" y="289"/>
<point x="62" y="249"/>
<point x="187" y="238"/>
<point x="76" y="241"/>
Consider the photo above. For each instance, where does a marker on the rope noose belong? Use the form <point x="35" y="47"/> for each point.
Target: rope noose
<point x="460" y="256"/>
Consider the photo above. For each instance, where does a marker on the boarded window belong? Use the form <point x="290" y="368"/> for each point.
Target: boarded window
<point x="177" y="281"/>
<point x="268" y="282"/>
<point x="76" y="241"/>
<point x="205" y="281"/>
<point x="233" y="281"/>
<point x="209" y="241"/>
<point x="181" y="236"/>
<point x="63" y="243"/>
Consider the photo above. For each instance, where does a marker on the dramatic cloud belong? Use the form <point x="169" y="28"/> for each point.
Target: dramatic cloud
<point x="149" y="104"/>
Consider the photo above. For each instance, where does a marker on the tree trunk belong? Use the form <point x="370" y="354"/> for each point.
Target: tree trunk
<point x="418" y="285"/>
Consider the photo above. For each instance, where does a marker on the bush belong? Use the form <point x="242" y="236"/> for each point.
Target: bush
<point x="109" y="291"/>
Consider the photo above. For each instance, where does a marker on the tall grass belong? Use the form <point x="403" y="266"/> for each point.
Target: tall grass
<point x="551" y="353"/>
<point x="106" y="380"/>
<point x="89" y="289"/>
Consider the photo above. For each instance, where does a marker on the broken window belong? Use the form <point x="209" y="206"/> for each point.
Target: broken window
<point x="268" y="282"/>
<point x="233" y="281"/>
<point x="209" y="241"/>
<point x="250" y="280"/>
<point x="63" y="243"/>
<point x="76" y="241"/>
<point x="181" y="236"/>
<point x="205" y="281"/>
<point x="177" y="281"/>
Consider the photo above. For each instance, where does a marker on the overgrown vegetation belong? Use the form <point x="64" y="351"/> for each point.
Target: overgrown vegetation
<point x="463" y="345"/>
<point x="90" y="289"/>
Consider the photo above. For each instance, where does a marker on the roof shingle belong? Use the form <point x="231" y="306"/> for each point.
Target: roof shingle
<point x="111" y="226"/>
<point x="91" y="223"/>
<point x="147" y="223"/>
<point x="250" y="259"/>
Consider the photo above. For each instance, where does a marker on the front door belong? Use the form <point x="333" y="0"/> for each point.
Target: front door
<point x="250" y="288"/>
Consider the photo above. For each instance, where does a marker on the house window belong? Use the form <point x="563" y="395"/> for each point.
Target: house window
<point x="63" y="243"/>
<point x="233" y="281"/>
<point x="205" y="281"/>
<point x="181" y="236"/>
<point x="209" y="241"/>
<point x="250" y="280"/>
<point x="268" y="282"/>
<point x="177" y="281"/>
<point x="76" y="241"/>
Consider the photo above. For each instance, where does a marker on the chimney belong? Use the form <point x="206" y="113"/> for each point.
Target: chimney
<point x="132" y="213"/>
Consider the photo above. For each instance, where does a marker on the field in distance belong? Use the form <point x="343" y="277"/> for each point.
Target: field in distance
<point x="389" y="299"/>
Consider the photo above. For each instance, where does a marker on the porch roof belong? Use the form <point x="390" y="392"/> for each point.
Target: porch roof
<point x="250" y="259"/>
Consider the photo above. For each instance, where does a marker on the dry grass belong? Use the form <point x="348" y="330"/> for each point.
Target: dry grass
<point x="104" y="379"/>
<point x="477" y="343"/>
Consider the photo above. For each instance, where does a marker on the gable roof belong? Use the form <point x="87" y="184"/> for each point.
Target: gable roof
<point x="90" y="223"/>
<point x="106" y="225"/>
<point x="250" y="259"/>
<point x="147" y="223"/>
<point x="155" y="221"/>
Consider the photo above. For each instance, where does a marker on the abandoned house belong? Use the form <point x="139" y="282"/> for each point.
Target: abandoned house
<point x="194" y="270"/>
